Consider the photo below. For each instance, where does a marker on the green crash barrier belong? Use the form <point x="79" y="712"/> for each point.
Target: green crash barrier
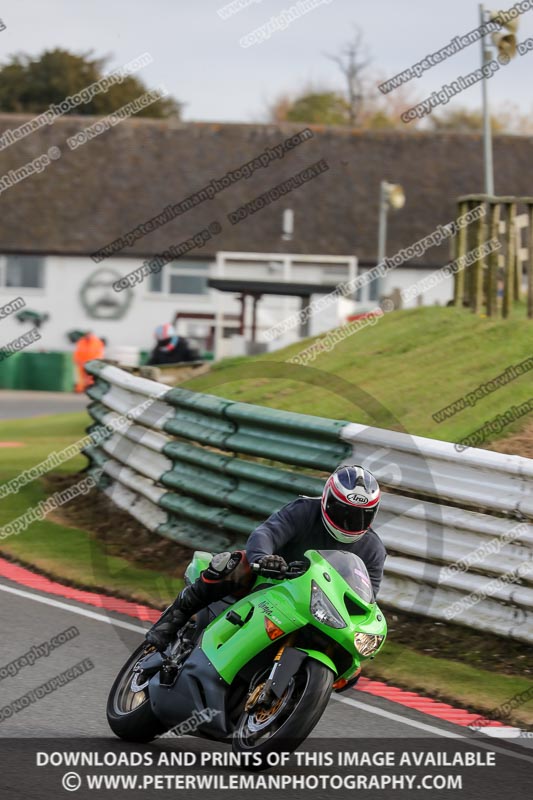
<point x="233" y="481"/>
<point x="214" y="516"/>
<point x="97" y="459"/>
<point x="95" y="367"/>
<point x="96" y="456"/>
<point x="256" y="416"/>
<point x="98" y="390"/>
<point x="239" y="468"/>
<point x="45" y="372"/>
<point x="207" y="430"/>
<point x="298" y="439"/>
<point x="295" y="450"/>
<point x="285" y="420"/>
<point x="218" y="489"/>
<point x="206" y="403"/>
<point x="219" y="468"/>
<point x="185" y="532"/>
<point x="98" y="412"/>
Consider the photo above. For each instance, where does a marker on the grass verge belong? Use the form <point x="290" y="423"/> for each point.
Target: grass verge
<point x="460" y="684"/>
<point x="395" y="374"/>
<point x="64" y="551"/>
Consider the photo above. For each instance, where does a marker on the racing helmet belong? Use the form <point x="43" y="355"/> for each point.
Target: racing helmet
<point x="165" y="336"/>
<point x="350" y="501"/>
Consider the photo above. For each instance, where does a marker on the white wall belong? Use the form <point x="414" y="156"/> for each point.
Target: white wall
<point x="65" y="276"/>
<point x="60" y="297"/>
<point x="404" y="278"/>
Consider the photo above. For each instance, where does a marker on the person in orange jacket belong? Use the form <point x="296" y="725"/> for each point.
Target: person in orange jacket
<point x="87" y="348"/>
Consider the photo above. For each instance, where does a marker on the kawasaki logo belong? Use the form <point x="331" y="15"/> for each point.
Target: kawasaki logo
<point x="357" y="498"/>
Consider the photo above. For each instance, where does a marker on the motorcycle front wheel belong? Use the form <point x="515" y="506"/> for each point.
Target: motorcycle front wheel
<point x="129" y="712"/>
<point x="289" y="720"/>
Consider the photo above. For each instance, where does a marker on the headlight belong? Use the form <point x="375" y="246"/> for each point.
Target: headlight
<point x="367" y="643"/>
<point x="323" y="610"/>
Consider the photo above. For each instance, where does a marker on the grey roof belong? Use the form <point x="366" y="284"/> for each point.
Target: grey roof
<point x="92" y="195"/>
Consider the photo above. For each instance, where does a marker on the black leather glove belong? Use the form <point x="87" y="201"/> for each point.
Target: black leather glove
<point x="273" y="562"/>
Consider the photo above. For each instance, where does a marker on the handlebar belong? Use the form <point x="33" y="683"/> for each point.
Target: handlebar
<point x="294" y="570"/>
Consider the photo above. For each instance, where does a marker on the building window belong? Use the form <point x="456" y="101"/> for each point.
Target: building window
<point x="24" y="272"/>
<point x="180" y="277"/>
<point x="188" y="284"/>
<point x="156" y="281"/>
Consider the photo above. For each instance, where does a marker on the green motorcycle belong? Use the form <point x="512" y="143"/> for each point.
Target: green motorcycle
<point x="258" y="671"/>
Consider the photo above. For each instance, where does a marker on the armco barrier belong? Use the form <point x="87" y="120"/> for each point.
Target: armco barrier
<point x="198" y="469"/>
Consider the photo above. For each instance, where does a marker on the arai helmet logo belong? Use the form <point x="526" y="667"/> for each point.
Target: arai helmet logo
<point x="357" y="498"/>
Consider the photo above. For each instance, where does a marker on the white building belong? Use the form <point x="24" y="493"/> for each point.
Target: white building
<point x="77" y="294"/>
<point x="53" y="223"/>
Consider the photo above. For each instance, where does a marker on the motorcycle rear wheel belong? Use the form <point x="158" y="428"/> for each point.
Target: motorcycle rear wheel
<point x="129" y="712"/>
<point x="288" y="721"/>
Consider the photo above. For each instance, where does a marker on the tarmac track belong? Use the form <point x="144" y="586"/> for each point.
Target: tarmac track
<point x="76" y="711"/>
<point x="20" y="405"/>
<point x="74" y="715"/>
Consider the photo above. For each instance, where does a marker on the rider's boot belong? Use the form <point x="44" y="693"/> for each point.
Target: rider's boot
<point x="220" y="577"/>
<point x="190" y="600"/>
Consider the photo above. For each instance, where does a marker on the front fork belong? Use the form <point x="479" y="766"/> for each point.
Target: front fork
<point x="286" y="663"/>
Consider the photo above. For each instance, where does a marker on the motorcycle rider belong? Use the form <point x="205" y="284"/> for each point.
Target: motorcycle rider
<point x="340" y="520"/>
<point x="170" y="348"/>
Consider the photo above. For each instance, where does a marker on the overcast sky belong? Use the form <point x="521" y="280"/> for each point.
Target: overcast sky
<point x="197" y="55"/>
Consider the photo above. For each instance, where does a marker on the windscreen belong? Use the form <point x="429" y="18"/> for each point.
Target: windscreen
<point x="353" y="570"/>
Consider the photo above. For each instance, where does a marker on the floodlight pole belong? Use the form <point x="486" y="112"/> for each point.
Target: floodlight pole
<point x="382" y="227"/>
<point x="488" y="165"/>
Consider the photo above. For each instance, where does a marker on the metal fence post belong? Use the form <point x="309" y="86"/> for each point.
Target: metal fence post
<point x="510" y="261"/>
<point x="492" y="276"/>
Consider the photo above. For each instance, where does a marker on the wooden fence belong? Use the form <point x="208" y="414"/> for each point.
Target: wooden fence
<point x="493" y="283"/>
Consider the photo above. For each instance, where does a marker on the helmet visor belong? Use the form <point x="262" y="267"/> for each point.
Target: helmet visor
<point x="348" y="518"/>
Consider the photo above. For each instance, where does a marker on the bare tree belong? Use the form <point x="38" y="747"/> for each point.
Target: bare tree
<point x="352" y="62"/>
